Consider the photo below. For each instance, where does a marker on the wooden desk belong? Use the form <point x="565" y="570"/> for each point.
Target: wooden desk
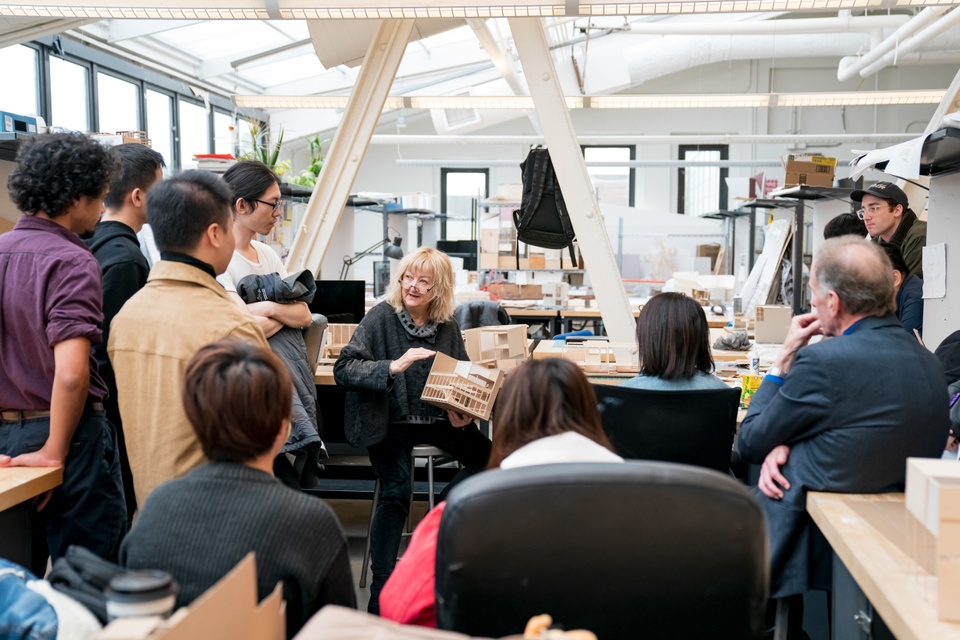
<point x="549" y="316"/>
<point x="889" y="555"/>
<point x="18" y="486"/>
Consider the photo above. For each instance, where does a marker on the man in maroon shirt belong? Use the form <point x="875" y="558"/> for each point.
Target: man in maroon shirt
<point x="51" y="396"/>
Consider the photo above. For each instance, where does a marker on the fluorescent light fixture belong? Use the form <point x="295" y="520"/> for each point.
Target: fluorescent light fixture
<point x="419" y="9"/>
<point x="713" y="101"/>
<point x="679" y="101"/>
<point x="859" y="98"/>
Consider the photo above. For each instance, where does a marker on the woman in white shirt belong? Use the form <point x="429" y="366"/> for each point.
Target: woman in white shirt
<point x="257" y="207"/>
<point x="546" y="413"/>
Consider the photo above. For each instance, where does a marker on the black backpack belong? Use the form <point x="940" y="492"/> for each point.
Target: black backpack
<point x="542" y="218"/>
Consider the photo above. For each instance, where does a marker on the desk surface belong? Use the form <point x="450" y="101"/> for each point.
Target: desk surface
<point x="889" y="554"/>
<point x="19" y="484"/>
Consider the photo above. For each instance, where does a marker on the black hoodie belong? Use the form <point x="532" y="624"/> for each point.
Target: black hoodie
<point x="116" y="248"/>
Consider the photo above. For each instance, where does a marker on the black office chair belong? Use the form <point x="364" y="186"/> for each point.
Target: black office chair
<point x="480" y="313"/>
<point x="634" y="550"/>
<point x="690" y="427"/>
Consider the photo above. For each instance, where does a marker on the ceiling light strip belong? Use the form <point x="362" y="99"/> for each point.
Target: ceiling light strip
<point x="716" y="101"/>
<point x="381" y="9"/>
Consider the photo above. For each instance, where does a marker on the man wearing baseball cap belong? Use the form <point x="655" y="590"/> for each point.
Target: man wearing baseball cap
<point x="889" y="219"/>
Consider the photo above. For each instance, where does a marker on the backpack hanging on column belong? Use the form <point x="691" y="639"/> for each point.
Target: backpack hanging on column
<point x="542" y="218"/>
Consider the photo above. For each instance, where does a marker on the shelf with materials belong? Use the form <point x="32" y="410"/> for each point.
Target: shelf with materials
<point x="796" y="260"/>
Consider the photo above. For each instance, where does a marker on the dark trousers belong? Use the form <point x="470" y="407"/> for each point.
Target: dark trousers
<point x="391" y="464"/>
<point x="88" y="508"/>
<point x="112" y="408"/>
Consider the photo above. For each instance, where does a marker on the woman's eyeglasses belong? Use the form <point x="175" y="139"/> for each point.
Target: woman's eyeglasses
<point x="275" y="205"/>
<point x="421" y="285"/>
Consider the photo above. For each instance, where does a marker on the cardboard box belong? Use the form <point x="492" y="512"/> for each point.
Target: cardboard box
<point x="489" y="261"/>
<point x="510" y="291"/>
<point x="772" y="323"/>
<point x="462" y="386"/>
<point x="926" y="479"/>
<point x="711" y="251"/>
<point x="812" y="170"/>
<point x="538" y="261"/>
<point x="507" y="262"/>
<point x="933" y="497"/>
<point x="489" y="240"/>
<point x="506" y="342"/>
<point x="228" y="609"/>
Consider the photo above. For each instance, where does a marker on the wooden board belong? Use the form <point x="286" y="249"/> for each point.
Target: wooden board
<point x="19" y="484"/>
<point x="890" y="555"/>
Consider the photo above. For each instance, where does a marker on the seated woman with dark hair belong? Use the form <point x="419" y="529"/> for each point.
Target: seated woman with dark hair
<point x="546" y="413"/>
<point x="674" y="341"/>
<point x="198" y="527"/>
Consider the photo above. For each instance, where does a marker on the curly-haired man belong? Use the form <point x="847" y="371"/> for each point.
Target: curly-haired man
<point x="51" y="396"/>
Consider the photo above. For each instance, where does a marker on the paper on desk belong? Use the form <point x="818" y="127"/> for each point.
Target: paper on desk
<point x="935" y="270"/>
<point x="903" y="160"/>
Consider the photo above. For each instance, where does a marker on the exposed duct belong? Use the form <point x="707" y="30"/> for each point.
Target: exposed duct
<point x="809" y="139"/>
<point x="921" y="38"/>
<point x="841" y="24"/>
<point x="849" y="67"/>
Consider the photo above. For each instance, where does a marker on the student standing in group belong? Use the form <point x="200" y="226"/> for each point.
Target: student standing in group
<point x="257" y="207"/>
<point x="163" y="325"/>
<point x="51" y="396"/>
<point x="115" y="246"/>
<point x="886" y="212"/>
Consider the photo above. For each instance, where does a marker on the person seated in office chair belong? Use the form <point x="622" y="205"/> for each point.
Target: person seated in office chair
<point x="674" y="341"/>
<point x="546" y="413"/>
<point x="198" y="527"/>
<point x="841" y="415"/>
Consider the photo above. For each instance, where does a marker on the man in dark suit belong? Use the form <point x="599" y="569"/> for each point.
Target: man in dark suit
<point x="843" y="414"/>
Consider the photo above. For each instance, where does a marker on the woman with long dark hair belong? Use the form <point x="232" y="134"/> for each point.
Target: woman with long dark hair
<point x="546" y="413"/>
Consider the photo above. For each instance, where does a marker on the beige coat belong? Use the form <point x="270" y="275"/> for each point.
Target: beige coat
<point x="151" y="339"/>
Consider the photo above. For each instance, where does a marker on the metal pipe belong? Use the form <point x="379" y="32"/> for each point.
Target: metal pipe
<point x="922" y="19"/>
<point x="723" y="138"/>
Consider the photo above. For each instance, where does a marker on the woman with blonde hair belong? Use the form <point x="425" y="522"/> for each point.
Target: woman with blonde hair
<point x="384" y="369"/>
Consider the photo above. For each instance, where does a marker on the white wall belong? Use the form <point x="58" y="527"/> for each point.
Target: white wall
<point x="656" y="188"/>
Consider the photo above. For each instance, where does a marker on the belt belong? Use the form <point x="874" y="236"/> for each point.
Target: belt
<point x="17" y="414"/>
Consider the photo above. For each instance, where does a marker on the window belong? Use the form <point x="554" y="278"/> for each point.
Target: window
<point x="69" y="95"/>
<point x="458" y="189"/>
<point x="702" y="189"/>
<point x="160" y="126"/>
<point x="615" y="185"/>
<point x="19" y="64"/>
<point x="194" y="134"/>
<point x="224" y="133"/>
<point x="118" y="104"/>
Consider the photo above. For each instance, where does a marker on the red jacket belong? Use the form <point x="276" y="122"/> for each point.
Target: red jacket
<point x="408" y="596"/>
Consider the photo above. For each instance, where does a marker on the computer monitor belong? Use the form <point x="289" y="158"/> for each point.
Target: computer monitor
<point x="341" y="301"/>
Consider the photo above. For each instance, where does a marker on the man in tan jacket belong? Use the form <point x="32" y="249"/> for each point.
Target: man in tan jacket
<point x="181" y="309"/>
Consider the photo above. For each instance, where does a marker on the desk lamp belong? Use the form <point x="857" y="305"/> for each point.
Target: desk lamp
<point x="391" y="249"/>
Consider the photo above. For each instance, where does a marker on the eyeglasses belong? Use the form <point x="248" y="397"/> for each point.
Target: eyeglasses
<point x="421" y="285"/>
<point x="872" y="210"/>
<point x="275" y="205"/>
